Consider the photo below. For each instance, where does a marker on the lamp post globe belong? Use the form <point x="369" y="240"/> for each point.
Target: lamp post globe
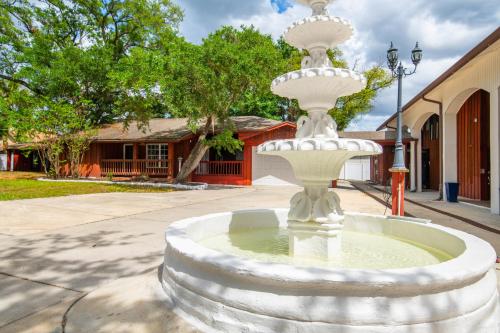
<point x="416" y="55"/>
<point x="392" y="57"/>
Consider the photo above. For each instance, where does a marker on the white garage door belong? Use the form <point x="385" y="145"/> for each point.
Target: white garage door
<point x="357" y="168"/>
<point x="271" y="170"/>
<point x="274" y="170"/>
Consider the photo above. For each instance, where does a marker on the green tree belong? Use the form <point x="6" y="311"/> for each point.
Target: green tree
<point x="350" y="107"/>
<point x="204" y="82"/>
<point x="5" y="119"/>
<point x="69" y="52"/>
<point x="347" y="108"/>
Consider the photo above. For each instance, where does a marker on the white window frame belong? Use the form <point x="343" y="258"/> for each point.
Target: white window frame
<point x="160" y="161"/>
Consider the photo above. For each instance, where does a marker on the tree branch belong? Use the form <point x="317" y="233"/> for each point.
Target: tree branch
<point x="21" y="82"/>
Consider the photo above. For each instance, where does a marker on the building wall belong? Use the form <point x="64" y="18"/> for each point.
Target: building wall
<point x="90" y="166"/>
<point x="483" y="72"/>
<point x="381" y="164"/>
<point x="23" y="161"/>
<point x="251" y="140"/>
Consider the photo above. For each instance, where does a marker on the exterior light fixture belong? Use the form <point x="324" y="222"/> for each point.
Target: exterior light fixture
<point x="399" y="71"/>
<point x="392" y="57"/>
<point x="416" y="55"/>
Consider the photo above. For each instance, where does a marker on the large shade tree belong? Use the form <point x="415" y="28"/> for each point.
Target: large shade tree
<point x="204" y="82"/>
<point x="70" y="52"/>
<point x="63" y="64"/>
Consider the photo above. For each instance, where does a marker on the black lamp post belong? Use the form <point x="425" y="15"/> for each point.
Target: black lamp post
<point x="400" y="71"/>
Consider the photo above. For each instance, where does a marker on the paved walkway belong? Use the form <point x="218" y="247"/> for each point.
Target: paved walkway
<point x="460" y="210"/>
<point x="89" y="263"/>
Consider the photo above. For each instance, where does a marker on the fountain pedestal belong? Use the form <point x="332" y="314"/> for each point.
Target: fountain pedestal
<point x="315" y="240"/>
<point x="315" y="222"/>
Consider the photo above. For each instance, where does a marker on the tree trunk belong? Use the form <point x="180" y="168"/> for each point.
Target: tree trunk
<point x="5" y="144"/>
<point x="196" y="154"/>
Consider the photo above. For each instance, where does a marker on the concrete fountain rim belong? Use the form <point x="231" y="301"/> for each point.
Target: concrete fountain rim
<point x="475" y="261"/>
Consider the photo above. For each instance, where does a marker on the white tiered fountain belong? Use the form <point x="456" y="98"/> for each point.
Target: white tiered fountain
<point x="317" y="154"/>
<point x="314" y="268"/>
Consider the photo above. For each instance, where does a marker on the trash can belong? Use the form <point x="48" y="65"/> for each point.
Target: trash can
<point x="452" y="192"/>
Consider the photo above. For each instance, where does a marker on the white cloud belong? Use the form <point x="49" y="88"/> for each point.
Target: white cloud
<point x="366" y="122"/>
<point x="438" y="34"/>
<point x="269" y="21"/>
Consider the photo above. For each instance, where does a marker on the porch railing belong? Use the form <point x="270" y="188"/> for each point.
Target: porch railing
<point x="134" y="167"/>
<point x="220" y="168"/>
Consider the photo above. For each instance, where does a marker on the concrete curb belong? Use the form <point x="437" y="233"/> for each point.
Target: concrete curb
<point x="190" y="187"/>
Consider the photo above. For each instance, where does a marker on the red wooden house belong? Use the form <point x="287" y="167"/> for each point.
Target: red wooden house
<point x="159" y="150"/>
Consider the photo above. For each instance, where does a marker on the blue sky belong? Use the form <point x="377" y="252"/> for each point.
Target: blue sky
<point x="446" y="30"/>
<point x="281" y="6"/>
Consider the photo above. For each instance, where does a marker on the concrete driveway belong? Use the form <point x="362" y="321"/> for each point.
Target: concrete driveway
<point x="105" y="249"/>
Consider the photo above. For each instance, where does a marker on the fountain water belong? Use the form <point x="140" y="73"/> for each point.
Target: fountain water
<point x="314" y="268"/>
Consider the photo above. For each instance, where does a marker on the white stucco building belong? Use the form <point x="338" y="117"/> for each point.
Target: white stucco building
<point x="455" y="121"/>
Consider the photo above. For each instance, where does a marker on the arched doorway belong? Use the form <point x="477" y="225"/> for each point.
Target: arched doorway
<point x="430" y="153"/>
<point x="473" y="147"/>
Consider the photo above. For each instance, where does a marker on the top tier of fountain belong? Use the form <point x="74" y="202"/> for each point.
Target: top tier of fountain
<point x="317" y="85"/>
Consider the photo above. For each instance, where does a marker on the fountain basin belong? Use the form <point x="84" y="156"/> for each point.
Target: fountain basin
<point x="222" y="292"/>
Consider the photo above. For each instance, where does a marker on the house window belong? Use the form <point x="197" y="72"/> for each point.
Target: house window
<point x="157" y="152"/>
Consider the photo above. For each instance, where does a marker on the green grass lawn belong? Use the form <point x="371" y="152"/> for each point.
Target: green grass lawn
<point x="23" y="185"/>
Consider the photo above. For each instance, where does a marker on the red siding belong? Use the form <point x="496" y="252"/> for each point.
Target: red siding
<point x="90" y="166"/>
<point x="98" y="151"/>
<point x="381" y="164"/>
<point x="250" y="139"/>
<point x="24" y="161"/>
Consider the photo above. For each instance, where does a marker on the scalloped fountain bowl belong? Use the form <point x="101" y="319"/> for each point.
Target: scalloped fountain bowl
<point x="231" y="272"/>
<point x="318" y="87"/>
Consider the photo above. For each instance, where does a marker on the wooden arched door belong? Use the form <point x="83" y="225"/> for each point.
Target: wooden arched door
<point x="473" y="147"/>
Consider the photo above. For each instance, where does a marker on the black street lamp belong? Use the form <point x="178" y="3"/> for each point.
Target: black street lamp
<point x="400" y="71"/>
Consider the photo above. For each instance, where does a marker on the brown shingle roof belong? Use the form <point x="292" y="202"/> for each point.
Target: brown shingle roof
<point x="173" y="129"/>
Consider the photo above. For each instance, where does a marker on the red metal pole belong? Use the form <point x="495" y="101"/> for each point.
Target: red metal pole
<point x="398" y="191"/>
